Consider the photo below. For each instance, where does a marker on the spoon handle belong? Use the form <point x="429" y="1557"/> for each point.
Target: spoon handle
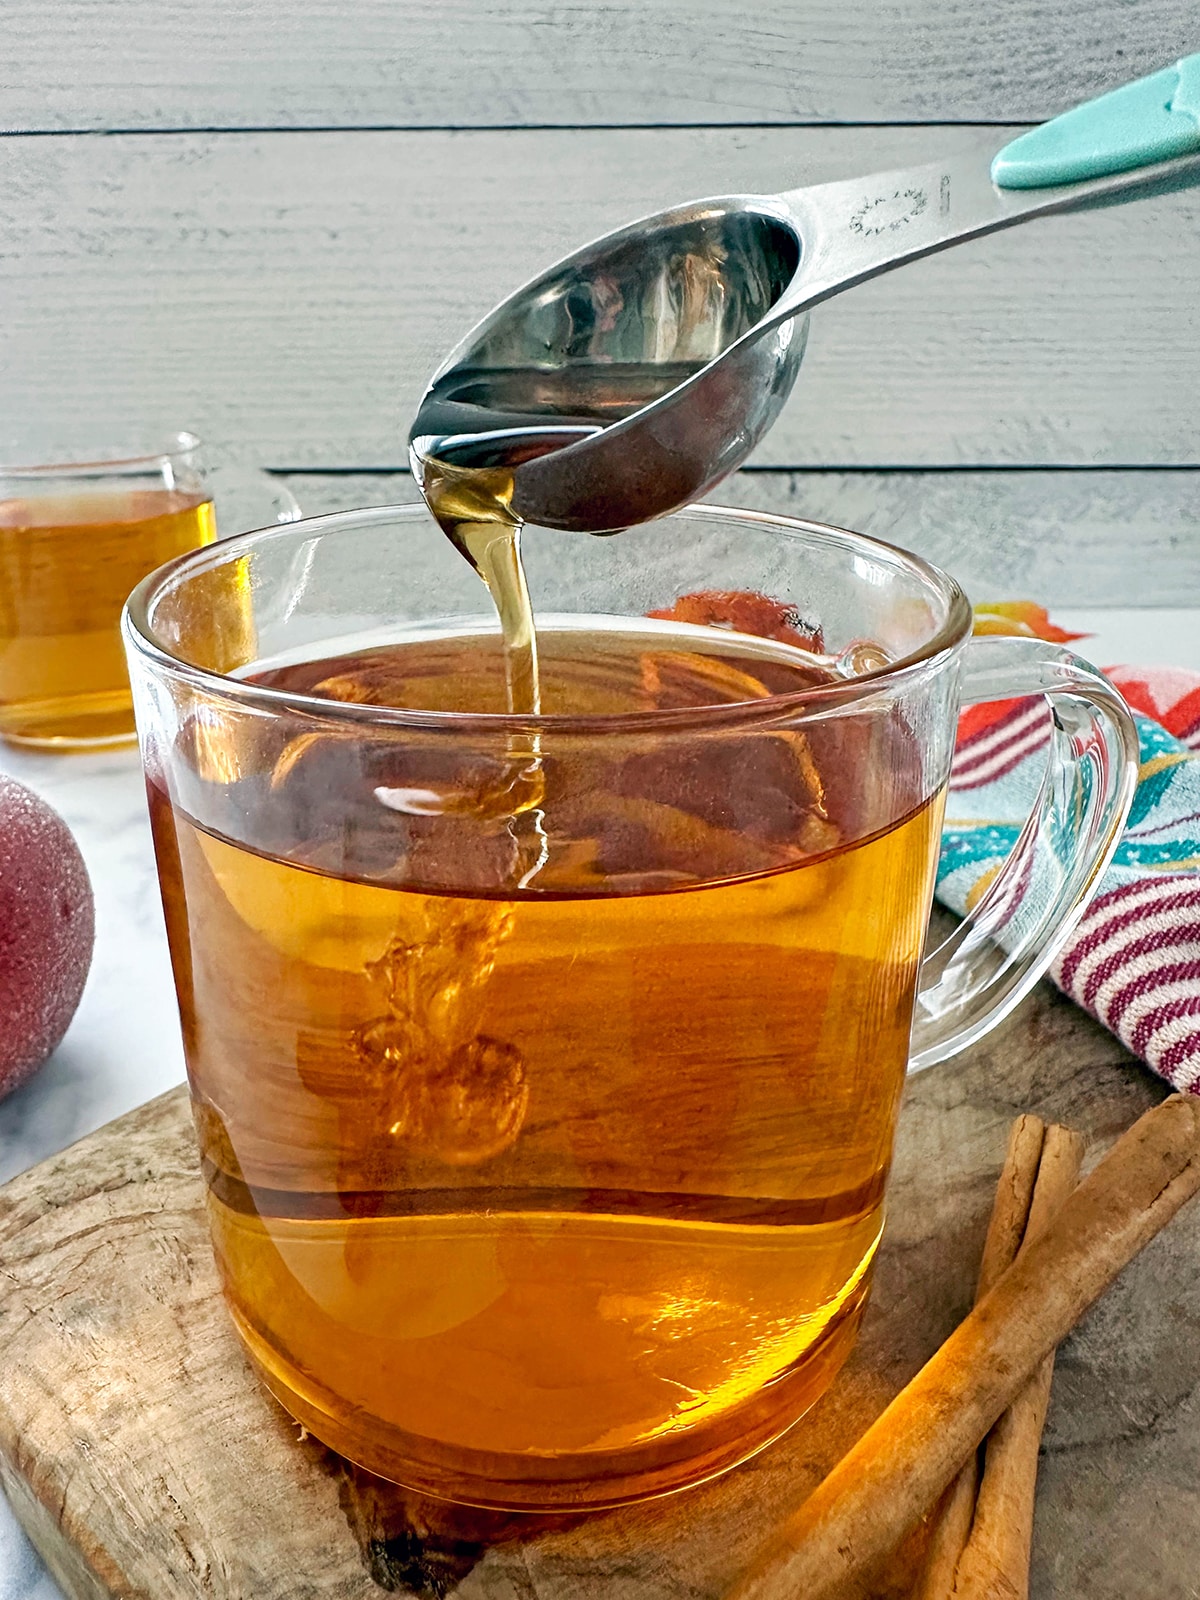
<point x="1151" y="120"/>
<point x="1139" y="140"/>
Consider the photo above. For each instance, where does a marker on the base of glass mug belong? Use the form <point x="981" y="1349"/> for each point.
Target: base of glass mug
<point x="579" y="1481"/>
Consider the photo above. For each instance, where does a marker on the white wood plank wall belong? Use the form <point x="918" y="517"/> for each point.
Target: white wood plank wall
<point x="267" y="221"/>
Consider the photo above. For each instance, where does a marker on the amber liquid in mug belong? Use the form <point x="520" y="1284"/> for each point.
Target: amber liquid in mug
<point x="564" y="1193"/>
<point x="67" y="563"/>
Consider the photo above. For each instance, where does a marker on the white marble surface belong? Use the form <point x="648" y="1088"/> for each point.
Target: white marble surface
<point x="124" y="1047"/>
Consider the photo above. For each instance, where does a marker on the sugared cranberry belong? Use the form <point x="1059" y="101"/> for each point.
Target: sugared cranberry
<point x="47" y="929"/>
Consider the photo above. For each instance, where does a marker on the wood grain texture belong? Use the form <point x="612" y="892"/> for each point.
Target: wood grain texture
<point x="1064" y="538"/>
<point x="304" y="63"/>
<point x="129" y="1414"/>
<point x="288" y="294"/>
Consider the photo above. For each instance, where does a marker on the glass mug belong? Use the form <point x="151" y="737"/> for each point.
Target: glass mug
<point x="74" y="539"/>
<point x="546" y="1068"/>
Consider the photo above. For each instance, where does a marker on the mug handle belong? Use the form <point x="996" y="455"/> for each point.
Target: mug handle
<point x="1008" y="940"/>
<point x="248" y="497"/>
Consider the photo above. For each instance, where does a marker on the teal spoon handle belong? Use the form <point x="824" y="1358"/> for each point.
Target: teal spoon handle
<point x="1153" y="119"/>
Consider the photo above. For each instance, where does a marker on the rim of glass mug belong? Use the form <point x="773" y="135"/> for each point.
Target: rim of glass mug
<point x="103" y="460"/>
<point x="951" y="633"/>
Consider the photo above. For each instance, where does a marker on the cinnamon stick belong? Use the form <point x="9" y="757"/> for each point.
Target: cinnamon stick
<point x="994" y="1564"/>
<point x="878" y="1491"/>
<point x="1010" y="1213"/>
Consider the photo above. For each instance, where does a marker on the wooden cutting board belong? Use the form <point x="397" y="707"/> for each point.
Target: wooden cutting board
<point x="147" y="1464"/>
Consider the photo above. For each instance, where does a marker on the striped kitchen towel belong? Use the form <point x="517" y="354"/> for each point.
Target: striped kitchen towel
<point x="1134" y="960"/>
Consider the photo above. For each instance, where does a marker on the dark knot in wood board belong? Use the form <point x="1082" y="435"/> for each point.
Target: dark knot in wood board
<point x="413" y="1545"/>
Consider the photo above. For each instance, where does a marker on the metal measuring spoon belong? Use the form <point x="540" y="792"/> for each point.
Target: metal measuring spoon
<point x="639" y="371"/>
